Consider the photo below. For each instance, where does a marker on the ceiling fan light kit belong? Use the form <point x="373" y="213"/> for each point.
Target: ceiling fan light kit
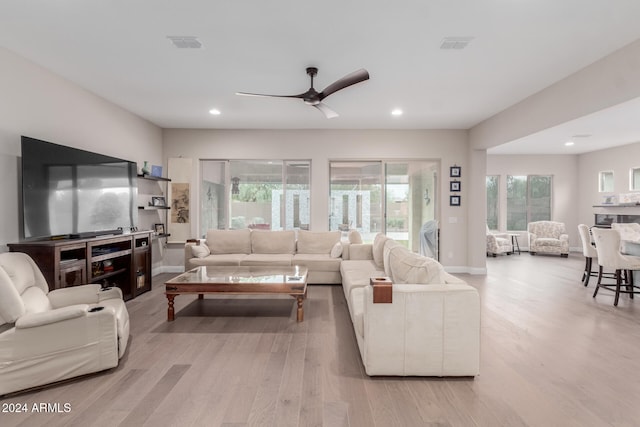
<point x="314" y="98"/>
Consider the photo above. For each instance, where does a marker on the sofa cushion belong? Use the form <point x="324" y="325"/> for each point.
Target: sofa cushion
<point x="546" y="241"/>
<point x="317" y="242"/>
<point x="273" y="242"/>
<point x="267" y="259"/>
<point x="229" y="241"/>
<point x="378" y="249"/>
<point x="411" y="268"/>
<point x="389" y="245"/>
<point x="317" y="262"/>
<point x="200" y="251"/>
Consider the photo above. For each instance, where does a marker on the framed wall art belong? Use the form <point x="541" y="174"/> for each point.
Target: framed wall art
<point x="455" y="171"/>
<point x="454" y="200"/>
<point x="455" y="186"/>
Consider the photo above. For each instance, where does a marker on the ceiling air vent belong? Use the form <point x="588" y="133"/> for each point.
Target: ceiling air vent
<point x="455" y="43"/>
<point x="185" y="42"/>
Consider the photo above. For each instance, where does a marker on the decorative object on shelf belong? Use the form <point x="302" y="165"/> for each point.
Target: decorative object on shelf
<point x="156" y="170"/>
<point x="145" y="168"/>
<point x="158" y="201"/>
<point x="455" y="186"/>
<point x="235" y="185"/>
<point x="158" y="228"/>
<point x="454" y="200"/>
<point x="180" y="203"/>
<point x="455" y="171"/>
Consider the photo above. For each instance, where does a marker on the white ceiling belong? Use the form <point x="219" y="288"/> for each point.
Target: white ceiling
<point x="120" y="51"/>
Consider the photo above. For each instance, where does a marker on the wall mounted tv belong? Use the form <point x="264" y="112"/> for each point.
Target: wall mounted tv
<point x="67" y="192"/>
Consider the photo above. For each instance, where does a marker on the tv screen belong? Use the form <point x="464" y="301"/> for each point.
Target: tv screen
<point x="75" y="193"/>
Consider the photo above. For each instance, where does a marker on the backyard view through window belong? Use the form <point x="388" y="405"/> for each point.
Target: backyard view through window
<point x="492" y="201"/>
<point x="528" y="200"/>
<point x="257" y="194"/>
<point x="397" y="198"/>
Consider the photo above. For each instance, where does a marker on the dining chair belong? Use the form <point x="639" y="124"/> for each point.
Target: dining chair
<point x="589" y="252"/>
<point x="607" y="243"/>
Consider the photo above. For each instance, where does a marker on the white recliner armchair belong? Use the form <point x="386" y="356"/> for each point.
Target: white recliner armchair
<point x="51" y="336"/>
<point x="548" y="237"/>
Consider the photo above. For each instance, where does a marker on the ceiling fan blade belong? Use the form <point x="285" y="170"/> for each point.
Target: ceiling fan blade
<point x="262" y="95"/>
<point x="348" y="80"/>
<point x="328" y="112"/>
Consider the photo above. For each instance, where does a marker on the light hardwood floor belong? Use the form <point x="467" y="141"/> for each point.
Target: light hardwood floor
<point x="551" y="355"/>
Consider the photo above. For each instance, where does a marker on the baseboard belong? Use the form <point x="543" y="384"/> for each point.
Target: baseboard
<point x="467" y="270"/>
<point x="168" y="269"/>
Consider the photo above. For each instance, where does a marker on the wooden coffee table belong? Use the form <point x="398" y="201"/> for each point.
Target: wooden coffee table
<point x="239" y="281"/>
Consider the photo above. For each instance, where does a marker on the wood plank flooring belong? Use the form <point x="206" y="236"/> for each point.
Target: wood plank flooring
<point x="551" y="355"/>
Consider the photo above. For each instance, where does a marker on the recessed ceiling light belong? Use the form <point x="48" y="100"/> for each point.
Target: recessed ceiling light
<point x="455" y="43"/>
<point x="396" y="112"/>
<point x="185" y="42"/>
<point x="214" y="112"/>
<point x="569" y="143"/>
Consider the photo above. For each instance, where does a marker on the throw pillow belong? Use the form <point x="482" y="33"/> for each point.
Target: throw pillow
<point x="200" y="251"/>
<point x="355" y="237"/>
<point x="378" y="249"/>
<point x="409" y="267"/>
<point x="336" y="250"/>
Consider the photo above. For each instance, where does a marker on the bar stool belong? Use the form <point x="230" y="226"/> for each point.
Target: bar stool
<point x="609" y="256"/>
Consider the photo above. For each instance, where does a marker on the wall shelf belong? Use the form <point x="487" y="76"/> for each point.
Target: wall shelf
<point x="153" y="178"/>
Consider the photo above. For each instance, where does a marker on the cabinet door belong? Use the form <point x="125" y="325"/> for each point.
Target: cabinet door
<point x="141" y="270"/>
<point x="73" y="275"/>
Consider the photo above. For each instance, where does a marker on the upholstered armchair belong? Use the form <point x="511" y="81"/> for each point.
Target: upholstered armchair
<point x="548" y="237"/>
<point x="51" y="336"/>
<point x="498" y="243"/>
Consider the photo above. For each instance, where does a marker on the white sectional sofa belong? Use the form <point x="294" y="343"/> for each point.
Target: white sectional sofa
<point x="432" y="325"/>
<point x="320" y="251"/>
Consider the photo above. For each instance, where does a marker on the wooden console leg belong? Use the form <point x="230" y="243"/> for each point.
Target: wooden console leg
<point x="300" y="316"/>
<point x="170" y="311"/>
<point x="200" y="296"/>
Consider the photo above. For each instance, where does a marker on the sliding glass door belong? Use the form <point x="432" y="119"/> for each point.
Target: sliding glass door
<point x="394" y="197"/>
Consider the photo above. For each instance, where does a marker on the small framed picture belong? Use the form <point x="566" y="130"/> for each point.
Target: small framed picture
<point x="158" y="201"/>
<point x="455" y="186"/>
<point x="156" y="170"/>
<point x="455" y="171"/>
<point x="454" y="200"/>
<point x="158" y="228"/>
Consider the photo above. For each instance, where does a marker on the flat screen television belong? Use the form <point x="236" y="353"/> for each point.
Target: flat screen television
<point x="68" y="192"/>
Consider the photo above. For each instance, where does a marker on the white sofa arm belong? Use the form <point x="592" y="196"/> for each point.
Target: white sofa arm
<point x="33" y="320"/>
<point x="84" y="294"/>
<point x="428" y="330"/>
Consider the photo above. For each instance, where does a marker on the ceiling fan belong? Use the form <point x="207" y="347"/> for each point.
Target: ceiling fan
<point x="314" y="98"/>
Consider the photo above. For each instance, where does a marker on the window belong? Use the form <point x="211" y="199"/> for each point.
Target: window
<point x="528" y="200"/>
<point x="605" y="181"/>
<point x="260" y="194"/>
<point x="493" y="182"/>
<point x="634" y="179"/>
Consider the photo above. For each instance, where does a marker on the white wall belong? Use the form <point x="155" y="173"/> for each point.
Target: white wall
<point x="321" y="146"/>
<point x="37" y="103"/>
<point x="566" y="184"/>
<point x="619" y="160"/>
